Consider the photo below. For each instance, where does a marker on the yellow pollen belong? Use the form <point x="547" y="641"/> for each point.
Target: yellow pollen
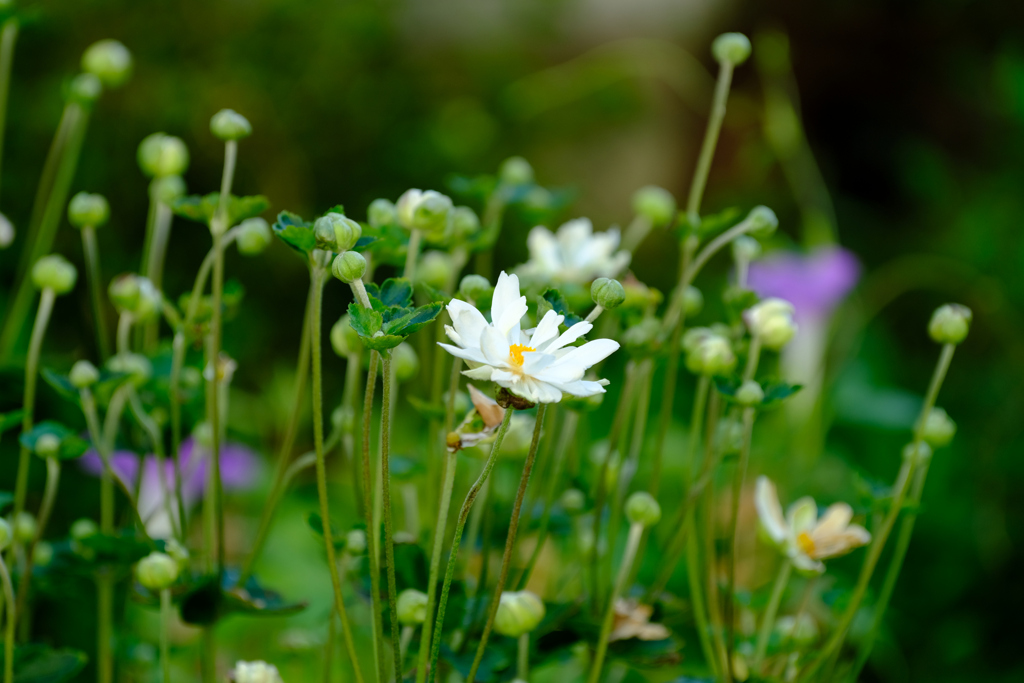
<point x="516" y="353"/>
<point x="806" y="543"/>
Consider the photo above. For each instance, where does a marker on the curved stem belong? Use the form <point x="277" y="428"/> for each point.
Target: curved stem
<point x="453" y="556"/>
<point x="510" y="541"/>
<point x="8" y="588"/>
<point x="707" y="150"/>
<point x="389" y="540"/>
<point x="523" y="658"/>
<point x="632" y="543"/>
<point x="412" y="253"/>
<point x="768" y="620"/>
<point x="92" y="267"/>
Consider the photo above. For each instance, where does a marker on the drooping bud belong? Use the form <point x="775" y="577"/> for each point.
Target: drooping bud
<point x="82" y="529"/>
<point x="641" y="508"/>
<point x="157" y="571"/>
<point x="771" y="321"/>
<point x="519" y="612"/>
<point x="88" y="210"/>
<point x="750" y="394"/>
<point x="255" y="672"/>
<point x="950" y="324"/>
<point x="424" y="211"/>
<point x="85" y="88"/>
<point x="47" y="446"/>
<point x="228" y="124"/>
<point x="656" y="204"/>
<point x="344" y="339"/>
<point x="54" y="272"/>
<point x="108" y="60"/>
<point x="349" y="266"/>
<point x="733" y="48"/>
<point x="42" y="554"/>
<point x="412" y="607"/>
<point x="380" y="213"/>
<point x="474" y="287"/>
<point x="693" y="301"/>
<point x="607" y="293"/>
<point x="405" y="361"/>
<point x="939" y="429"/>
<point x="763" y="222"/>
<point x="83" y="374"/>
<point x="25" y="527"/>
<point x="515" y="171"/>
<point x="573" y="501"/>
<point x="355" y="542"/>
<point x="253" y="236"/>
<point x="162" y="155"/>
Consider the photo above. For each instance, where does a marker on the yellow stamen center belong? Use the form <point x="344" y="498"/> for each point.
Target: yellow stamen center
<point x="806" y="543"/>
<point x="516" y="353"/>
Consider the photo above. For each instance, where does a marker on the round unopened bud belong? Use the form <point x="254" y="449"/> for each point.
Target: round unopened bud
<point x="87" y="209"/>
<point x="465" y="222"/>
<point x="435" y="269"/>
<point x="733" y="48"/>
<point x="917" y="451"/>
<point x="745" y="249"/>
<point x="253" y="236"/>
<point x="157" y="571"/>
<point x="573" y="501"/>
<point x="519" y="612"/>
<point x="134" y="294"/>
<point x="108" y="60"/>
<point x="939" y="429"/>
<point x="83" y="528"/>
<point x="349" y="266"/>
<point x="950" y="324"/>
<point x="515" y="171"/>
<point x="693" y="301"/>
<point x="771" y="321"/>
<point x="380" y="213"/>
<point x="228" y="124"/>
<point x="711" y="354"/>
<point x="7" y="232"/>
<point x="763" y="222"/>
<point x="424" y="211"/>
<point x="47" y="446"/>
<point x="42" y="554"/>
<point x="136" y="366"/>
<point x="344" y="339"/>
<point x="83" y="374"/>
<point x="405" y="361"/>
<point x="641" y="508"/>
<point x="355" y="542"/>
<point x="749" y="394"/>
<point x="6" y="534"/>
<point x="474" y="287"/>
<point x="412" y="607"/>
<point x="25" y="527"/>
<point x="166" y="189"/>
<point x="607" y="293"/>
<point x="656" y="204"/>
<point x="162" y="155"/>
<point x="255" y="672"/>
<point x="336" y="232"/>
<point x="85" y="88"/>
<point x="54" y="272"/>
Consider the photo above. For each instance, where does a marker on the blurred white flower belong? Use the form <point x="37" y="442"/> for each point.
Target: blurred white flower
<point x="801" y="535"/>
<point x="255" y="672"/>
<point x="538" y="365"/>
<point x="573" y="254"/>
<point x="633" y="620"/>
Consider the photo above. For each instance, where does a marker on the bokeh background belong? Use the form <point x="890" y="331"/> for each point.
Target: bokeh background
<point x="896" y="129"/>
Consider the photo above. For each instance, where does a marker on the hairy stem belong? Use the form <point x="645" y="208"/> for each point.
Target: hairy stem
<point x="768" y="620"/>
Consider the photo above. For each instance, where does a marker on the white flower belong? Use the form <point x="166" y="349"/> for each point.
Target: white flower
<point x="574" y="254"/>
<point x="538" y="364"/>
<point x="255" y="672"/>
<point x="801" y="535"/>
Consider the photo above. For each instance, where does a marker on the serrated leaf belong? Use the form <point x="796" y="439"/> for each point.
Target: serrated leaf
<point x="395" y="291"/>
<point x="433" y="293"/>
<point x="556" y="300"/>
<point x="71" y="445"/>
<point x="413" y="321"/>
<point x="365" y="321"/>
<point x="295" y="232"/>
<point x="383" y="342"/>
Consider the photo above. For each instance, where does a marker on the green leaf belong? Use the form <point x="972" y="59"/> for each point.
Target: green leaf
<point x="396" y="291"/>
<point x="35" y="663"/>
<point x="202" y="208"/>
<point x="558" y="304"/>
<point x="11" y="419"/>
<point x="388" y="244"/>
<point x="433" y="293"/>
<point x="71" y="445"/>
<point x="365" y="321"/>
<point x="383" y="342"/>
<point x="61" y="383"/>
<point x="774" y="391"/>
<point x="414" y="320"/>
<point x="709" y="225"/>
<point x="122" y="549"/>
<point x="295" y="232"/>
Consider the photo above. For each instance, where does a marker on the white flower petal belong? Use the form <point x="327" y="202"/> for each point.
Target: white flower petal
<point x="546" y="330"/>
<point x="507" y="306"/>
<point x="769" y="510"/>
<point x="802" y="516"/>
<point x="570" y="335"/>
<point x="473" y="355"/>
<point x="495" y="347"/>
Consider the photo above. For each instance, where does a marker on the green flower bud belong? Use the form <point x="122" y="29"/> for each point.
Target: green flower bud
<point x="6" y="232"/>
<point x="763" y="222"/>
<point x="745" y="249"/>
<point x="939" y="429"/>
<point x="157" y="571"/>
<point x="54" y="272"/>
<point x="86" y="209"/>
<point x="708" y="353"/>
<point x="161" y="155"/>
<point x="412" y="607"/>
<point x="656" y="204"/>
<point x="750" y="394"/>
<point x="405" y="361"/>
<point x="771" y="321"/>
<point x="693" y="301"/>
<point x="733" y="48"/>
<point x="515" y="171"/>
<point x="134" y="294"/>
<point x="573" y="501"/>
<point x="344" y="339"/>
<point x="381" y="212"/>
<point x="355" y="542"/>
<point x="253" y="236"/>
<point x="424" y="211"/>
<point x="84" y="374"/>
<point x="950" y="324"/>
<point x="6" y="534"/>
<point x="85" y="88"/>
<point x="465" y="223"/>
<point x="227" y="124"/>
<point x="255" y="672"/>
<point x="917" y="451"/>
<point x="519" y="612"/>
<point x="25" y="527"/>
<point x="166" y="189"/>
<point x="607" y="293"/>
<point x="335" y="232"/>
<point x="475" y="287"/>
<point x="349" y="266"/>
<point x="135" y="365"/>
<point x="109" y="61"/>
<point x="47" y="446"/>
<point x="344" y="419"/>
<point x="42" y="554"/>
<point x="83" y="528"/>
<point x="641" y="508"/>
<point x="434" y="269"/>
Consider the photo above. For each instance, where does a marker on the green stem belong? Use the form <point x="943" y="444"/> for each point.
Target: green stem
<point x="104" y="628"/>
<point x="321" y="469"/>
<point x="523" y="658"/>
<point x="707" y="150"/>
<point x="389" y="540"/>
<point x="45" y="508"/>
<point x="768" y="620"/>
<point x="372" y="531"/>
<point x="165" y="634"/>
<point x="5" y="578"/>
<point x="632" y="544"/>
<point x="467" y="505"/>
<point x="415" y="237"/>
<point x="155" y="265"/>
<point x="693" y="572"/>
<point x="8" y="37"/>
<point x="638" y="229"/>
<point x="510" y="541"/>
<point x="92" y="267"/>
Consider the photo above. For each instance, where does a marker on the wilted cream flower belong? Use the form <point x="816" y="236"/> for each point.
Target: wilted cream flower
<point x="575" y="253"/>
<point x="632" y="620"/>
<point x="801" y="535"/>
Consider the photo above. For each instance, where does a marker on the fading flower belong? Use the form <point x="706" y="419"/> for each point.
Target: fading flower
<point x="538" y="364"/>
<point x="574" y="254"/>
<point x="801" y="535"/>
<point x="632" y="620"/>
<point x="471" y="432"/>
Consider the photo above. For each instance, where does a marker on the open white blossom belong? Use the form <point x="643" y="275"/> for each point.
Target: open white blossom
<point x="539" y="364"/>
<point x="801" y="535"/>
<point x="573" y="254"/>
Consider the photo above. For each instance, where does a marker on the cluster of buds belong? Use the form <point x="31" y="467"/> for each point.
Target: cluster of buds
<point x="426" y="211"/>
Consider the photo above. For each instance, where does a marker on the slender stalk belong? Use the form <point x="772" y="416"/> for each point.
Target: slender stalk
<point x="693" y="572"/>
<point x="11" y="621"/>
<point x="162" y="219"/>
<point x="768" y="620"/>
<point x="8" y="37"/>
<point x="638" y="229"/>
<point x="92" y="267"/>
<point x="407" y="633"/>
<point x="709" y="537"/>
<point x="707" y="150"/>
<point x="389" y="539"/>
<point x="510" y="541"/>
<point x="372" y="531"/>
<point x="411" y="254"/>
<point x="165" y="634"/>
<point x="632" y="543"/>
<point x="523" y="658"/>
<point x="104" y="628"/>
<point x="467" y="505"/>
<point x="45" y="508"/>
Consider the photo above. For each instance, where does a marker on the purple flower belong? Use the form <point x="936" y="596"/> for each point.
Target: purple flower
<point x="814" y="283"/>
